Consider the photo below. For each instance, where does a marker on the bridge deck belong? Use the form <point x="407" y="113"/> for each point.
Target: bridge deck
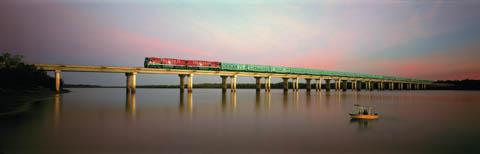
<point x="120" y="69"/>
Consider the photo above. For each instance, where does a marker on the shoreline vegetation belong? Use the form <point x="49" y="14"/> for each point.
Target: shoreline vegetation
<point x="438" y="85"/>
<point x="23" y="84"/>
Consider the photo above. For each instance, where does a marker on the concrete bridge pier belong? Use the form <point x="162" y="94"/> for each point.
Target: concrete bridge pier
<point x="337" y="84"/>
<point x="344" y="85"/>
<point x="308" y="84"/>
<point x="258" y="84"/>
<point x="224" y="83"/>
<point x="131" y="82"/>
<point x="190" y="83"/>
<point x="318" y="84"/>
<point x="285" y="84"/>
<point x="327" y="85"/>
<point x="233" y="83"/>
<point x="354" y="85"/>
<point x="182" y="82"/>
<point x="359" y="85"/>
<point x="392" y="86"/>
<point x="267" y="83"/>
<point x="369" y="85"/>
<point x="57" y="80"/>
<point x="295" y="84"/>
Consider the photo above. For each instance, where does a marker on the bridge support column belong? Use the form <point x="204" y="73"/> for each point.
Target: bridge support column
<point x="190" y="83"/>
<point x="57" y="80"/>
<point x="367" y="85"/>
<point x="258" y="83"/>
<point x="308" y="84"/>
<point x="285" y="84"/>
<point x="267" y="83"/>
<point x="295" y="84"/>
<point x="392" y="86"/>
<point x="354" y="85"/>
<point x="337" y="84"/>
<point x="182" y="82"/>
<point x="134" y="82"/>
<point x="131" y="82"/>
<point x="344" y="85"/>
<point x="318" y="84"/>
<point x="327" y="85"/>
<point x="128" y="82"/>
<point x="359" y="85"/>
<point x="233" y="83"/>
<point x="382" y="85"/>
<point x="370" y="85"/>
<point x="224" y="83"/>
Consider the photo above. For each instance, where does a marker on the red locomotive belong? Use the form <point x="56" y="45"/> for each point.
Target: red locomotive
<point x="155" y="62"/>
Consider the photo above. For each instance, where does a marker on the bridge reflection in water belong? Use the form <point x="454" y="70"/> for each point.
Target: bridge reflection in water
<point x="131" y="105"/>
<point x="262" y="102"/>
<point x="57" y="110"/>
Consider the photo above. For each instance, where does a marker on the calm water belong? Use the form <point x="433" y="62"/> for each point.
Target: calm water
<point x="162" y="120"/>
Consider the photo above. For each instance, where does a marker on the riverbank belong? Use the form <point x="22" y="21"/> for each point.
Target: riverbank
<point x="18" y="101"/>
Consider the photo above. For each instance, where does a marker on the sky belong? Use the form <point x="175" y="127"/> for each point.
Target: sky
<point x="432" y="40"/>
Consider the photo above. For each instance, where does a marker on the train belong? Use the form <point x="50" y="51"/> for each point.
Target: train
<point x="172" y="63"/>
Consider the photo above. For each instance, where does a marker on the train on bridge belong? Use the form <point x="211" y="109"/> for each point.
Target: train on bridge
<point x="171" y="63"/>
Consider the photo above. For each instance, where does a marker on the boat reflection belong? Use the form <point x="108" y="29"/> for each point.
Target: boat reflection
<point x="363" y="124"/>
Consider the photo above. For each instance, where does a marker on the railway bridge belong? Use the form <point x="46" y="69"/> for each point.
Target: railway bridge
<point x="339" y="83"/>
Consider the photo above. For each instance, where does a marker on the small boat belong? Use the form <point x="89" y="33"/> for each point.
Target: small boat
<point x="364" y="112"/>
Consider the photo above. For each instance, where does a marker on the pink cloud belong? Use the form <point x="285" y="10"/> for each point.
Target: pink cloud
<point x="458" y="63"/>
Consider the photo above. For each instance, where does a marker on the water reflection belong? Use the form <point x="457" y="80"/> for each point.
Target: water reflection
<point x="319" y="128"/>
<point x="268" y="98"/>
<point x="224" y="101"/>
<point x="130" y="105"/>
<point x="257" y="101"/>
<point x="233" y="100"/>
<point x="190" y="102"/>
<point x="186" y="106"/>
<point x="362" y="124"/>
<point x="296" y="99"/>
<point x="57" y="109"/>
<point x="309" y="100"/>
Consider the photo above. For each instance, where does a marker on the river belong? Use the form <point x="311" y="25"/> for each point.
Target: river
<point x="107" y="120"/>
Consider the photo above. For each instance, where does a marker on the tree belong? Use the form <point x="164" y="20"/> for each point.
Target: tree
<point x="7" y="60"/>
<point x="15" y="74"/>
